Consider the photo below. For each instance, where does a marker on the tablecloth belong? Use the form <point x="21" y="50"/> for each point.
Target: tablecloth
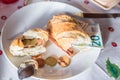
<point x="106" y="67"/>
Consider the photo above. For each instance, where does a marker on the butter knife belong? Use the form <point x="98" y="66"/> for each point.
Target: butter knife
<point x="95" y="15"/>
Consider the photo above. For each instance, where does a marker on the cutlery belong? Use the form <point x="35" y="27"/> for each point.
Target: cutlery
<point x="95" y="15"/>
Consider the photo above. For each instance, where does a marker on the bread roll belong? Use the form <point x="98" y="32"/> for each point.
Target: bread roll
<point x="68" y="34"/>
<point x="31" y="42"/>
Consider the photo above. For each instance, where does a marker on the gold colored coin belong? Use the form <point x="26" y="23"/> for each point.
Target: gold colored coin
<point x="51" y="61"/>
<point x="64" y="61"/>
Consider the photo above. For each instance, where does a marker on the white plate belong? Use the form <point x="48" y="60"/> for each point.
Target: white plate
<point x="37" y="15"/>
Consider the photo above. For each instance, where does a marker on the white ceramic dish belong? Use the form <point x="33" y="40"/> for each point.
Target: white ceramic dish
<point x="37" y="15"/>
<point x="106" y="5"/>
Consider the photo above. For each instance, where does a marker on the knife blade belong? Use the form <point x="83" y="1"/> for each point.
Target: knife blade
<point x="95" y="15"/>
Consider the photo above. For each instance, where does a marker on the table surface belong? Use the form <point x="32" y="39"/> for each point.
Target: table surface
<point x="111" y="40"/>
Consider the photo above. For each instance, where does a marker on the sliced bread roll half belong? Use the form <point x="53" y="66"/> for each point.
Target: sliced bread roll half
<point x="68" y="34"/>
<point x="31" y="42"/>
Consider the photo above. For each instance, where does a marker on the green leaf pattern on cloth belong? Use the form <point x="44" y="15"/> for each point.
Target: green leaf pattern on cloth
<point x="112" y="69"/>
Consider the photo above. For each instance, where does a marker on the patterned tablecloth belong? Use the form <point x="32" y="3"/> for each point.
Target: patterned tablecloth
<point x="107" y="66"/>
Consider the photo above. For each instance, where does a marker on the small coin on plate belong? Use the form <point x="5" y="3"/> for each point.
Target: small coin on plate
<point x="51" y="61"/>
<point x="64" y="60"/>
<point x="41" y="62"/>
